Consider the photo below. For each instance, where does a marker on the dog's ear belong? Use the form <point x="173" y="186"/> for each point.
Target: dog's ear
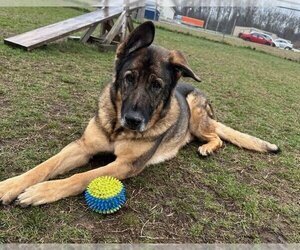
<point x="139" y="38"/>
<point x="177" y="59"/>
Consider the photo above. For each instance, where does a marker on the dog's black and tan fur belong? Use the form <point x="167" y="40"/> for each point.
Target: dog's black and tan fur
<point x="144" y="117"/>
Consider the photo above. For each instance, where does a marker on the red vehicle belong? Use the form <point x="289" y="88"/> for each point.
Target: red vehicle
<point x="257" y="38"/>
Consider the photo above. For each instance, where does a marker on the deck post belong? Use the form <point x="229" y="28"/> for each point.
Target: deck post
<point x="89" y="32"/>
<point x="115" y="30"/>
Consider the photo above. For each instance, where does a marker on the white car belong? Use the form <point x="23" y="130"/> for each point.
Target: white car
<point x="283" y="44"/>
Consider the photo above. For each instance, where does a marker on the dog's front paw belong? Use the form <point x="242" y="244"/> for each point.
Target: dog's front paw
<point x="42" y="193"/>
<point x="11" y="188"/>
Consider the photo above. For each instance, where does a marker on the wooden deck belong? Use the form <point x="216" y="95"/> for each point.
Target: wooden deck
<point x="46" y="34"/>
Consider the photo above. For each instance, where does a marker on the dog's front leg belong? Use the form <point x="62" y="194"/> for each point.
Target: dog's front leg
<point x="50" y="191"/>
<point x="128" y="154"/>
<point x="74" y="155"/>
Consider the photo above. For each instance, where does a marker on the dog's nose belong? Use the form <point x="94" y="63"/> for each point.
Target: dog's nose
<point x="133" y="120"/>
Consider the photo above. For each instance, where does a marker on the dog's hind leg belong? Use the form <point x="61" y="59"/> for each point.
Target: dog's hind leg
<point x="74" y="155"/>
<point x="202" y="123"/>
<point x="205" y="127"/>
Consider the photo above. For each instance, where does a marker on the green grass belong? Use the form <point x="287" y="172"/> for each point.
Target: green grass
<point x="48" y="95"/>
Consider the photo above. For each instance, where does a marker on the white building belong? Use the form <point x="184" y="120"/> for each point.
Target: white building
<point x="167" y="13"/>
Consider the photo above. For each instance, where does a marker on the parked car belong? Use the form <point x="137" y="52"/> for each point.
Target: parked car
<point x="257" y="38"/>
<point x="283" y="44"/>
<point x="268" y="37"/>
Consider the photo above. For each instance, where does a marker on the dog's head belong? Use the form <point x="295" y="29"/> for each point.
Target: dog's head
<point x="146" y="76"/>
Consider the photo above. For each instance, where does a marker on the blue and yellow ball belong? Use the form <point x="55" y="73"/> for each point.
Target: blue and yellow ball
<point x="105" y="195"/>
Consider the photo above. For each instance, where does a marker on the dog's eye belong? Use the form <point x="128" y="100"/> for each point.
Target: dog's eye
<point x="129" y="79"/>
<point x="156" y="85"/>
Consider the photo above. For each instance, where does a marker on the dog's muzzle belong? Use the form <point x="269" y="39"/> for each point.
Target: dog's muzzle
<point x="134" y="121"/>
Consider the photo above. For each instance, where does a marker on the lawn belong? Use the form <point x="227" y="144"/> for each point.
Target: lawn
<point x="47" y="96"/>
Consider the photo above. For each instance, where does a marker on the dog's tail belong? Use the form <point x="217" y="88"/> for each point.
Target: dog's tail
<point x="244" y="140"/>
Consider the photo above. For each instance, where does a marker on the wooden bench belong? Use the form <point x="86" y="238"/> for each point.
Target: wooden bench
<point x="41" y="36"/>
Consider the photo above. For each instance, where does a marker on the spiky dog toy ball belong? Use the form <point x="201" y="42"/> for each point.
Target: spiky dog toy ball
<point x="105" y="195"/>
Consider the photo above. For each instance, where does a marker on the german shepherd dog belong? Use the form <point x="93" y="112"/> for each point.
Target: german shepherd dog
<point x="144" y="117"/>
